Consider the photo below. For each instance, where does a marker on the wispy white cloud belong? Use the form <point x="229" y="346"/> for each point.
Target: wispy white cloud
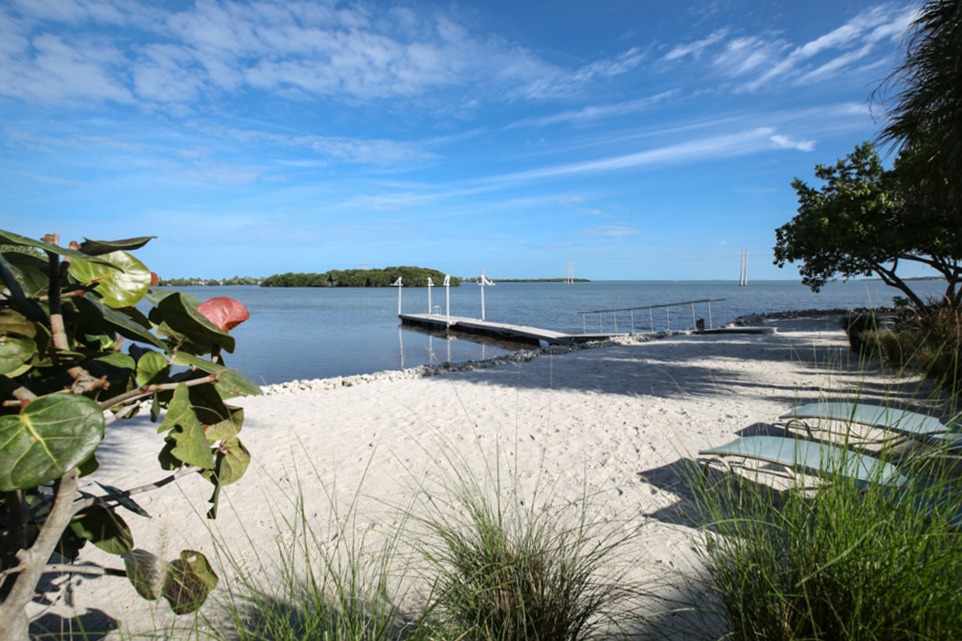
<point x="611" y="231"/>
<point x="593" y="113"/>
<point x="695" y="49"/>
<point x="753" y="62"/>
<point x="213" y="48"/>
<point x="622" y="63"/>
<point x="48" y="69"/>
<point x="47" y="180"/>
<point x="697" y="150"/>
<point x="785" y="142"/>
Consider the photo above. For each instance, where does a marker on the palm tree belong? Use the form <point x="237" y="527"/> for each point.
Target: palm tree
<point x="924" y="119"/>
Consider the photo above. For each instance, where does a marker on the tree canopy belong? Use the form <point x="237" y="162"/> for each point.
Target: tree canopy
<point x="411" y="277"/>
<point x="857" y="223"/>
<point x="868" y="220"/>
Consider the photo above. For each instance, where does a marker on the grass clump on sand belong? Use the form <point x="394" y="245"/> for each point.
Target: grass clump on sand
<point x="320" y="587"/>
<point x="481" y="564"/>
<point x="839" y="562"/>
<point x="510" y="567"/>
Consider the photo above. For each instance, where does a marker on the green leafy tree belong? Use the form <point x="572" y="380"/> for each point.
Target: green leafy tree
<point x="858" y="223"/>
<point x="64" y="378"/>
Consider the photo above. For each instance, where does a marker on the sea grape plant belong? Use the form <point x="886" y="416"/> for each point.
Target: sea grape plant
<point x="77" y="353"/>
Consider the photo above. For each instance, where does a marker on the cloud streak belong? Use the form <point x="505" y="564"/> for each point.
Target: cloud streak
<point x="754" y="62"/>
<point x="300" y="49"/>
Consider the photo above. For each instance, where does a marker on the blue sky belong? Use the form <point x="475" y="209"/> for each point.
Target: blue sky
<point x="634" y="139"/>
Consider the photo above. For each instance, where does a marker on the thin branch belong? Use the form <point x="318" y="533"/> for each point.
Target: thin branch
<point x="16" y="390"/>
<point x="87" y="569"/>
<point x="118" y="497"/>
<point x="147" y="390"/>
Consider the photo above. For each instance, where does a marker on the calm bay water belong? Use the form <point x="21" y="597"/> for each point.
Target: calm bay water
<point x="306" y="333"/>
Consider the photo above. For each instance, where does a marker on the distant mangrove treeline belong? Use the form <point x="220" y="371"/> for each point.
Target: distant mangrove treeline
<point x="411" y="277"/>
<point x="211" y="282"/>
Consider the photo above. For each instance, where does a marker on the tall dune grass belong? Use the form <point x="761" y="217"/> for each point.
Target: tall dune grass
<point x="505" y="566"/>
<point x="479" y="562"/>
<point x="841" y="563"/>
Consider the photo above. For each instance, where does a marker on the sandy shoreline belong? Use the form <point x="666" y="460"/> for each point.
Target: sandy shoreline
<point x="617" y="422"/>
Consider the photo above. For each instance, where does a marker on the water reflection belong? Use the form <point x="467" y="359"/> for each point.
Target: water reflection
<point x="456" y="346"/>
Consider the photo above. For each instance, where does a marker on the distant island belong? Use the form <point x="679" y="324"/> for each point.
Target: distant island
<point x="208" y="282"/>
<point x="535" y="280"/>
<point x="410" y="277"/>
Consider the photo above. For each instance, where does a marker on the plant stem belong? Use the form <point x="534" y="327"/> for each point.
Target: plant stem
<point x="13" y="617"/>
<point x="147" y="390"/>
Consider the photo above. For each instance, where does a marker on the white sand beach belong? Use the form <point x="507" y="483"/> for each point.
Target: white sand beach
<point x="616" y="422"/>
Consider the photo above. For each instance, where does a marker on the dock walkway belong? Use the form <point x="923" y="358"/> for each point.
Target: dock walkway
<point x="519" y="333"/>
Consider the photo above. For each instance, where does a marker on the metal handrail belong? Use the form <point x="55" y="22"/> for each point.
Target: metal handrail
<point x="650" y="308"/>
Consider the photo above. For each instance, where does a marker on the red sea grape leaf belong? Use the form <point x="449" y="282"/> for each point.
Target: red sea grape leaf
<point x="224" y="312"/>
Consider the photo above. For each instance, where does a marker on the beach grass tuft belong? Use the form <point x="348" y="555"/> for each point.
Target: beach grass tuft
<point x="841" y="561"/>
<point x="505" y="566"/>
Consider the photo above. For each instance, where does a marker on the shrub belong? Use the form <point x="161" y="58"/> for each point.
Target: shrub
<point x="860" y="328"/>
<point x="928" y="342"/>
<point x="65" y="315"/>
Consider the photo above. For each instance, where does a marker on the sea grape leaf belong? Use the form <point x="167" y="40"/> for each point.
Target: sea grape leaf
<point x="188" y="581"/>
<point x="181" y="316"/>
<point x="224" y="312"/>
<point x="100" y="247"/>
<point x="189" y="444"/>
<point x="122" y="282"/>
<point x="14" y="291"/>
<point x="145" y="573"/>
<point x="232" y="461"/>
<point x="129" y="322"/>
<point x="230" y="382"/>
<point x="219" y="420"/>
<point x="117" y="367"/>
<point x="16" y="239"/>
<point x="13" y="323"/>
<point x="51" y="435"/>
<point x="105" y="529"/>
<point x="152" y="368"/>
<point x="154" y="296"/>
<point x="100" y="341"/>
<point x="226" y="428"/>
<point x="15" y="352"/>
<point x="123" y="499"/>
<point x="30" y="271"/>
<point x="89" y="466"/>
<point x="70" y="544"/>
<point x="116" y="360"/>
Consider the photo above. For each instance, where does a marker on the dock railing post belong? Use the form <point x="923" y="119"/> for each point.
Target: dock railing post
<point x="430" y="285"/>
<point x="399" y="285"/>
<point x="709" y="315"/>
<point x="447" y="298"/>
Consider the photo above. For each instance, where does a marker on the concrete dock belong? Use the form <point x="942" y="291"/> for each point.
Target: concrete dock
<point x="517" y="333"/>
